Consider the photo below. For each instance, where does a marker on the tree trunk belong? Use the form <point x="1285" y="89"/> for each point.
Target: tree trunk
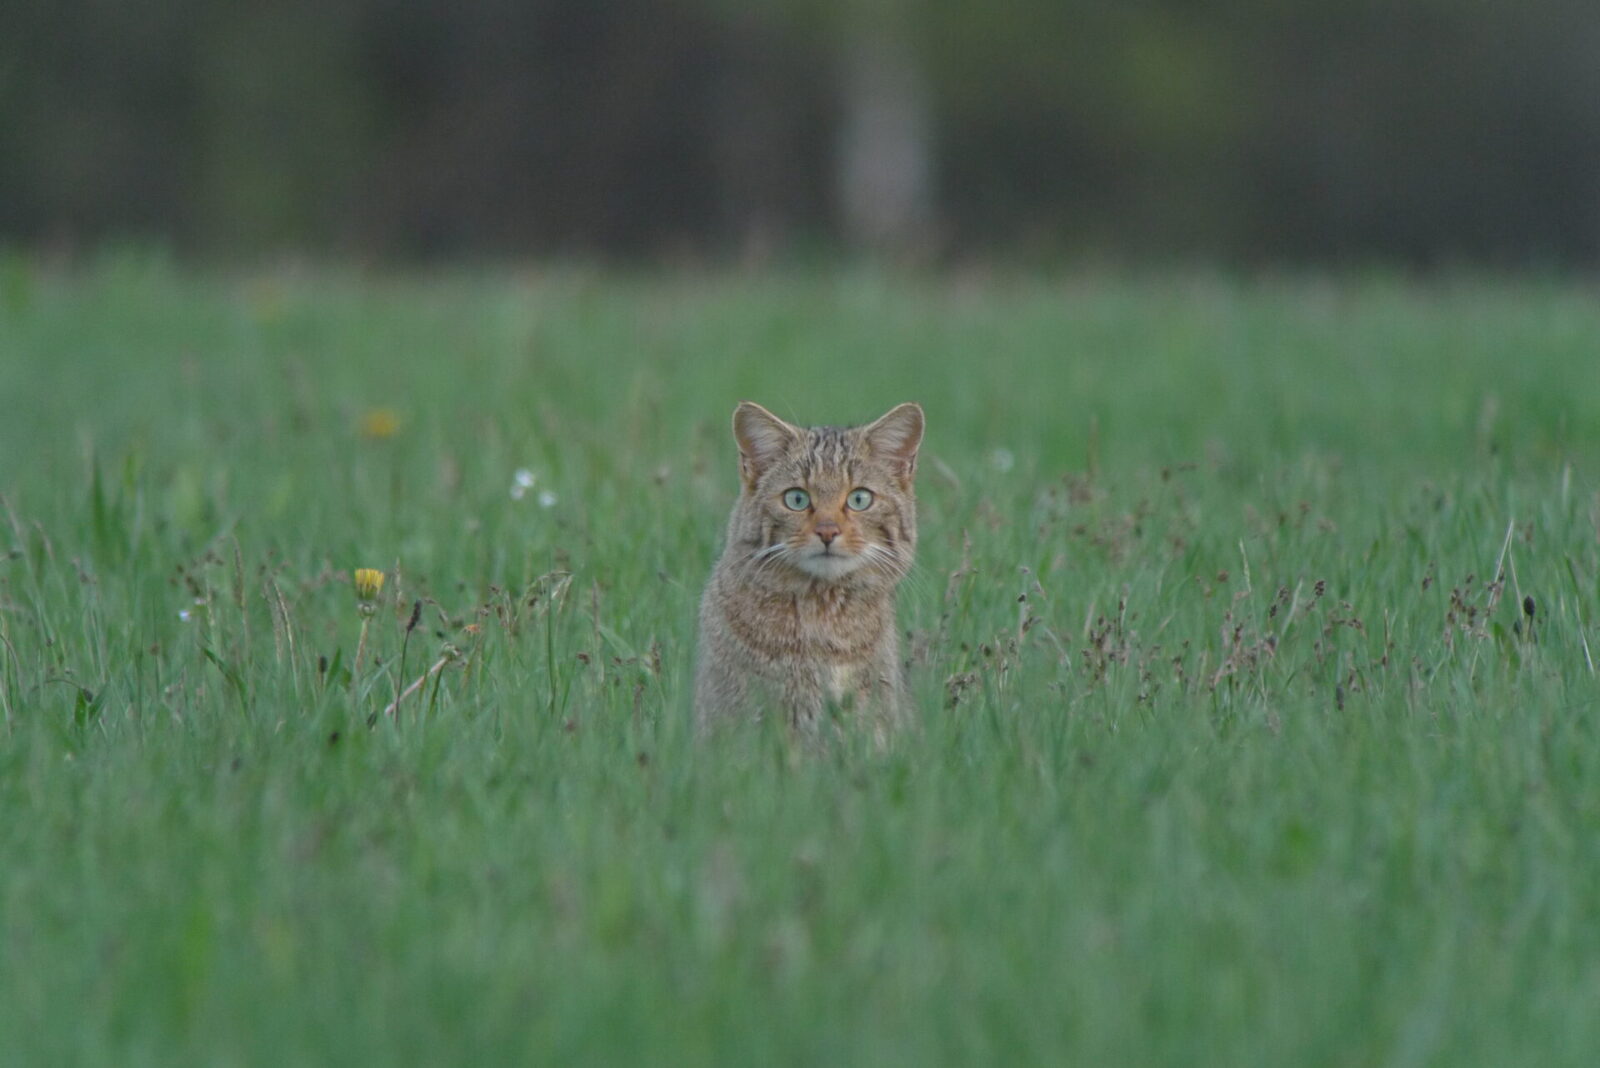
<point x="885" y="155"/>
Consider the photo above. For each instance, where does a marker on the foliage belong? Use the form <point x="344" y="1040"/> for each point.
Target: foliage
<point x="1418" y="131"/>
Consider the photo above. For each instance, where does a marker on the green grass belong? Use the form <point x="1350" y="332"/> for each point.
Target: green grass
<point x="1234" y="745"/>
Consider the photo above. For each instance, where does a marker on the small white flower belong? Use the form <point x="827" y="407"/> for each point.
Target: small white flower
<point x="547" y="499"/>
<point x="1002" y="460"/>
<point x="183" y="614"/>
<point x="521" y="482"/>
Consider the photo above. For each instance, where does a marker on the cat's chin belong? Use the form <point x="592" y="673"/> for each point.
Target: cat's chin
<point x="828" y="566"/>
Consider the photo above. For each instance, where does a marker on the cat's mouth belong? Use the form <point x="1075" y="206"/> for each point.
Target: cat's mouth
<point x="827" y="564"/>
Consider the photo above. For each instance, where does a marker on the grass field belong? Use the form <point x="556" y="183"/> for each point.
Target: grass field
<point x="1253" y="634"/>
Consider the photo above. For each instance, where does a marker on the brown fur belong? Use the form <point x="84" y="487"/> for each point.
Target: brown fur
<point x="799" y="614"/>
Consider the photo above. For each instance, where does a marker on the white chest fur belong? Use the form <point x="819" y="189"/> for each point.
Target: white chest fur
<point x="841" y="680"/>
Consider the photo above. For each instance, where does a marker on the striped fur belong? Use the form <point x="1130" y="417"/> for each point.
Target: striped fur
<point x="799" y="615"/>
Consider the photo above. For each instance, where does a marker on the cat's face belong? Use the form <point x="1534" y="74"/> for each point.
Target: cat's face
<point x="828" y="502"/>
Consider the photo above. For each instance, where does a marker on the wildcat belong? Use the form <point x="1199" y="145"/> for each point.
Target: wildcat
<point x="799" y="615"/>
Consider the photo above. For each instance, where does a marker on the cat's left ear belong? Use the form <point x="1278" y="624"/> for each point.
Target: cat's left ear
<point x="896" y="437"/>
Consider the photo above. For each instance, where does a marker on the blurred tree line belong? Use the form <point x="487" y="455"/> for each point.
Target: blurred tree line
<point x="1252" y="130"/>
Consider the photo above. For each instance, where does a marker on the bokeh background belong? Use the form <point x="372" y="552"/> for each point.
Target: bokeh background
<point x="1417" y="132"/>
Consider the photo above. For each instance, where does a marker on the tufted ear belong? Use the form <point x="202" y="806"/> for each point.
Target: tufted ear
<point x="762" y="438"/>
<point x="896" y="437"/>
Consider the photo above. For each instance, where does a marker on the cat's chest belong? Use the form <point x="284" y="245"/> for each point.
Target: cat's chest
<point x="837" y="622"/>
<point x="841" y="680"/>
<point x="829" y="625"/>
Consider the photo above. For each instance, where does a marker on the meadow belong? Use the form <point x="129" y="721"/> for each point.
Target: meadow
<point x="1253" y="635"/>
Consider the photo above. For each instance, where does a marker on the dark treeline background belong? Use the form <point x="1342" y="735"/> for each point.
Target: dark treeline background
<point x="1418" y="131"/>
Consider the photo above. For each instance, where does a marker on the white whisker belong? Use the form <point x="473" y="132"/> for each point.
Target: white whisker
<point x="878" y="556"/>
<point x="765" y="558"/>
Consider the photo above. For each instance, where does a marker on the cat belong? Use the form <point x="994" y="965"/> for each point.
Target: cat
<point x="798" y="618"/>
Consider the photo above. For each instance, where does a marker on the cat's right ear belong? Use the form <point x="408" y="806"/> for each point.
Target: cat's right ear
<point x="896" y="437"/>
<point x="762" y="437"/>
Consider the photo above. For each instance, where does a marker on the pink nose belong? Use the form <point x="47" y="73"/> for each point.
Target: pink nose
<point x="827" y="531"/>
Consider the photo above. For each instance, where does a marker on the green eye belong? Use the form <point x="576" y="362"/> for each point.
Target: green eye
<point x="796" y="499"/>
<point x="859" y="500"/>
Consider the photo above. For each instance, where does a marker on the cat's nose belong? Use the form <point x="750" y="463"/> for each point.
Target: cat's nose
<point x="827" y="530"/>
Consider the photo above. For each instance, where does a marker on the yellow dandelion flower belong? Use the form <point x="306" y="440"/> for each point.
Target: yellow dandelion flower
<point x="380" y="423"/>
<point x="368" y="583"/>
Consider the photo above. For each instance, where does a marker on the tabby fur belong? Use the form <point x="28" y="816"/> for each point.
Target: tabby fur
<point x="798" y="618"/>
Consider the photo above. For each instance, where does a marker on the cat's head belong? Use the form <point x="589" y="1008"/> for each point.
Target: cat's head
<point x="828" y="502"/>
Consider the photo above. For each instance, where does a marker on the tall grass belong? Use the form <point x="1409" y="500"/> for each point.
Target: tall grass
<point x="1253" y="636"/>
